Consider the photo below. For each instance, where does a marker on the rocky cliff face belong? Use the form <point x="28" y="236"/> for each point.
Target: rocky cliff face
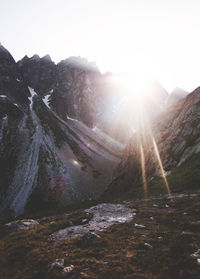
<point x="174" y="135"/>
<point x="38" y="73"/>
<point x="68" y="87"/>
<point x="75" y="90"/>
<point x="11" y="81"/>
<point x="47" y="156"/>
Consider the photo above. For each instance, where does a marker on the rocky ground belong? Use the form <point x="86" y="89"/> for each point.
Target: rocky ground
<point x="154" y="238"/>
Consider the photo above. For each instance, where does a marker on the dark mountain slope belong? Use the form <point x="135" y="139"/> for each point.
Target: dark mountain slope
<point x="46" y="160"/>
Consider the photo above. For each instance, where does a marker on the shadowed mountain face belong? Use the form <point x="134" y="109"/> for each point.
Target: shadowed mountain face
<point x="11" y="83"/>
<point x="68" y="87"/>
<point x="48" y="157"/>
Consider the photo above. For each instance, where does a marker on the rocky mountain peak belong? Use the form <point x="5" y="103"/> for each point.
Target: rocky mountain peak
<point x="47" y="57"/>
<point x="80" y="63"/>
<point x="35" y="57"/>
<point x="179" y="91"/>
<point x="5" y="55"/>
<point x="176" y="95"/>
<point x="38" y="73"/>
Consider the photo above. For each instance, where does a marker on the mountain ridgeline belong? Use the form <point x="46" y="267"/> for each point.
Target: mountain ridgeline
<point x="65" y="136"/>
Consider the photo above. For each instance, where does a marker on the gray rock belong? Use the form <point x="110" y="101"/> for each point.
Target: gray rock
<point x="137" y="226"/>
<point x="57" y="262"/>
<point x="104" y="215"/>
<point x="87" y="239"/>
<point x="187" y="233"/>
<point x="196" y="223"/>
<point x="58" y="268"/>
<point x="55" y="267"/>
<point x="16" y="226"/>
<point x="144" y="236"/>
<point x="67" y="271"/>
<point x="196" y="254"/>
<point x="148" y="246"/>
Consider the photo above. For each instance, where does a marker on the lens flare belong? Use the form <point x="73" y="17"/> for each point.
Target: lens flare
<point x="143" y="171"/>
<point x="161" y="167"/>
<point x="75" y="163"/>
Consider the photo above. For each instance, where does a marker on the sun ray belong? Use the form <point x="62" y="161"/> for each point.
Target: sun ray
<point x="144" y="127"/>
<point x="143" y="171"/>
<point x="161" y="167"/>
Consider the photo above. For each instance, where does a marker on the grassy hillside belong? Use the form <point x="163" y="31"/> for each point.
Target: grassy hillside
<point x="184" y="179"/>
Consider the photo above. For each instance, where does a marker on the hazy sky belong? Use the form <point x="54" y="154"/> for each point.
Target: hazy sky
<point x="145" y="37"/>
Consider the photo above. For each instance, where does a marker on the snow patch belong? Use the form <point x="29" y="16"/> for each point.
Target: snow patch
<point x="3" y="96"/>
<point x="33" y="93"/>
<point x="46" y="98"/>
<point x="73" y="119"/>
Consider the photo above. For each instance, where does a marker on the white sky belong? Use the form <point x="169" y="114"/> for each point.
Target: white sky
<point x="158" y="38"/>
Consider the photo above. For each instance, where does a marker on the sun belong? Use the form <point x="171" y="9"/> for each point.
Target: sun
<point x="134" y="83"/>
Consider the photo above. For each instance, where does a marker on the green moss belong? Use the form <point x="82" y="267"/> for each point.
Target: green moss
<point x="59" y="210"/>
<point x="119" y="252"/>
<point x="185" y="178"/>
<point x="26" y="254"/>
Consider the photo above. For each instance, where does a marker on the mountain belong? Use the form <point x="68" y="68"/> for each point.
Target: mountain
<point x="162" y="146"/>
<point x="64" y="129"/>
<point x="48" y="157"/>
<point x="176" y="95"/>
